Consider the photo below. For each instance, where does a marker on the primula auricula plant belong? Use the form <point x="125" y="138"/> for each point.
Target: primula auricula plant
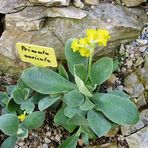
<point x="84" y="111"/>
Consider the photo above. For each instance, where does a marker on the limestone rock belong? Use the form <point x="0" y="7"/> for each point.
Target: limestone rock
<point x="78" y="4"/>
<point x="133" y="85"/>
<point x="123" y="27"/>
<point x="32" y="18"/>
<point x="69" y="12"/>
<point x="144" y="72"/>
<point x="91" y="2"/>
<point x="10" y="6"/>
<point x="137" y="135"/>
<point x="51" y="2"/>
<point x="131" y="3"/>
<point x="30" y="26"/>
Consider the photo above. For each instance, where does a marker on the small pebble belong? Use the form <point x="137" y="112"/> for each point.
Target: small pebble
<point x="121" y="138"/>
<point x="129" y="63"/>
<point x="45" y="145"/>
<point x="142" y="42"/>
<point x="120" y="87"/>
<point x="47" y="140"/>
<point x="108" y="20"/>
<point x="142" y="49"/>
<point x="80" y="142"/>
<point x="123" y="69"/>
<point x="132" y="56"/>
<point x="57" y="138"/>
<point x="48" y="134"/>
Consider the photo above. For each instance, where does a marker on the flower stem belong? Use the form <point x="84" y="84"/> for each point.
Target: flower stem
<point x="89" y="65"/>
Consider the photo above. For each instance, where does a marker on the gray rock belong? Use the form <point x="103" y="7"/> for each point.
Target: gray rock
<point x="10" y="6"/>
<point x="133" y="85"/>
<point x="123" y="28"/>
<point x="66" y="12"/>
<point x="32" y="18"/>
<point x="137" y="135"/>
<point x="78" y="4"/>
<point x="91" y="2"/>
<point x="144" y="72"/>
<point x="51" y="2"/>
<point x="131" y="3"/>
<point x="30" y="26"/>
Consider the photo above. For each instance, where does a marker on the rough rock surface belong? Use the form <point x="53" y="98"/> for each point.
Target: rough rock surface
<point x="131" y="3"/>
<point x="137" y="135"/>
<point x="134" y="87"/>
<point x="124" y="25"/>
<point x="11" y="6"/>
<point x="51" y="2"/>
<point x="91" y="2"/>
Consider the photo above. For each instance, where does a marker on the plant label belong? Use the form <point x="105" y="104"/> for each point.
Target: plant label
<point x="37" y="55"/>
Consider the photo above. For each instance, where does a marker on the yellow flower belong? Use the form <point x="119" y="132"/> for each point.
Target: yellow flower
<point x="86" y="45"/>
<point x="91" y="34"/>
<point x="84" y="42"/>
<point x="102" y="37"/>
<point x="84" y="52"/>
<point x="22" y="117"/>
<point x="75" y="45"/>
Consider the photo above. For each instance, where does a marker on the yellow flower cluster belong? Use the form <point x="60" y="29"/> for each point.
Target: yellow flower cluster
<point x="86" y="45"/>
<point x="22" y="117"/>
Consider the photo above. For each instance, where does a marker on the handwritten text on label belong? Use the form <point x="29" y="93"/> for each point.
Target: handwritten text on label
<point x="37" y="55"/>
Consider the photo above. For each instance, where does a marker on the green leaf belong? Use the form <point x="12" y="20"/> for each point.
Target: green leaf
<point x="63" y="72"/>
<point x="37" y="97"/>
<point x="73" y="98"/>
<point x="87" y="105"/>
<point x="119" y="93"/>
<point x="6" y="111"/>
<point x="71" y="142"/>
<point x="12" y="106"/>
<point x="28" y="106"/>
<point x="70" y="111"/>
<point x="20" y="95"/>
<point x="73" y="58"/>
<point x="21" y="84"/>
<point x="81" y="71"/>
<point x="22" y="133"/>
<point x="47" y="102"/>
<point x="88" y="131"/>
<point x="62" y="120"/>
<point x="116" y="64"/>
<point x="9" y="142"/>
<point x="10" y="88"/>
<point x="46" y="81"/>
<point x="98" y="123"/>
<point x="101" y="70"/>
<point x="78" y="119"/>
<point x="82" y="88"/>
<point x="9" y="124"/>
<point x="3" y="96"/>
<point x="34" y="120"/>
<point x="85" y="138"/>
<point x="117" y="109"/>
